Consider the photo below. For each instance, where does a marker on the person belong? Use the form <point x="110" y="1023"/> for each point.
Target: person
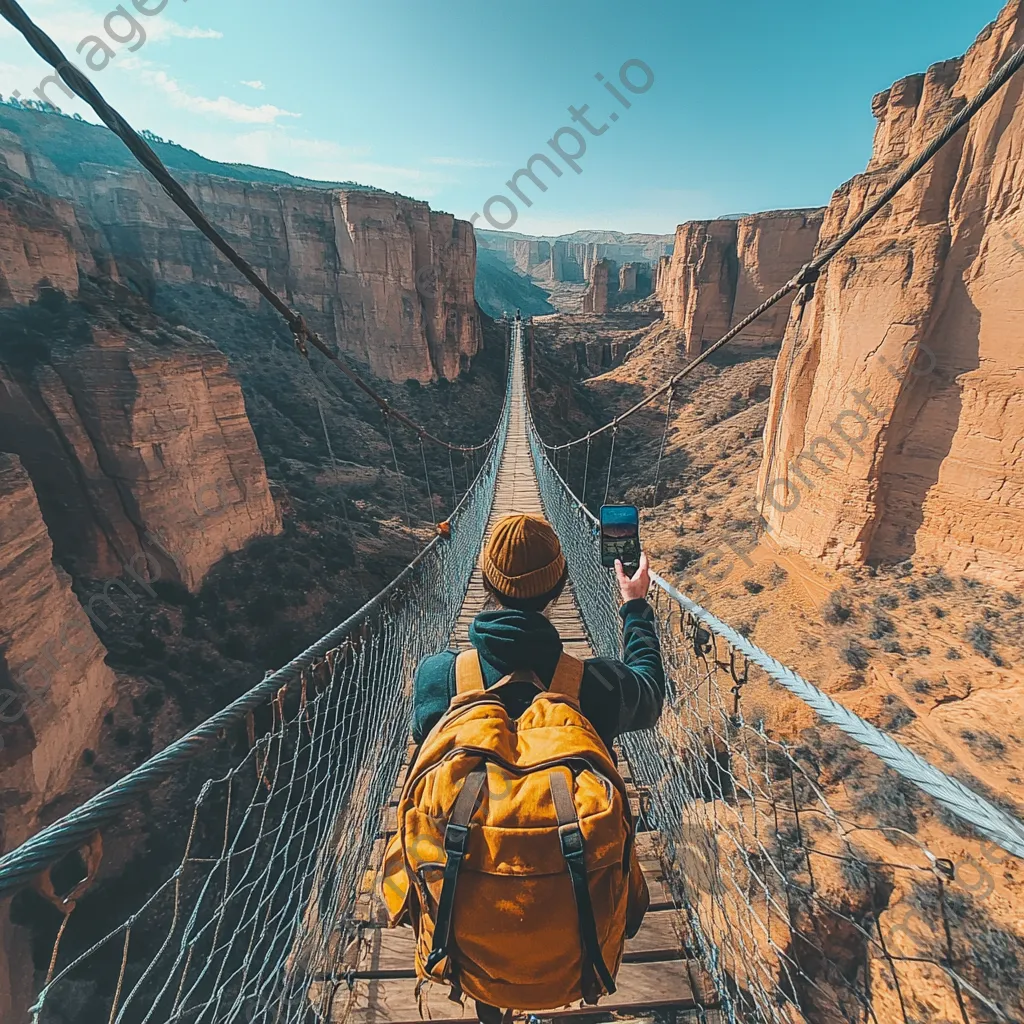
<point x="524" y="571"/>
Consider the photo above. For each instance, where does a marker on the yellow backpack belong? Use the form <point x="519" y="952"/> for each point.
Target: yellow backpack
<point x="514" y="858"/>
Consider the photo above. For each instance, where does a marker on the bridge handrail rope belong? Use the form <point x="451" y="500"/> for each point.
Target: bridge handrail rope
<point x="46" y="48"/>
<point x="991" y="821"/>
<point x="807" y="277"/>
<point x="19" y="866"/>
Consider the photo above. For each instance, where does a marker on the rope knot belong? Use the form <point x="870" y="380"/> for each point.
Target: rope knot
<point x="301" y="334"/>
<point x="806" y="280"/>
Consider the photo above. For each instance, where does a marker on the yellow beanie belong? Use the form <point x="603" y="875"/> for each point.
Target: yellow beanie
<point x="523" y="558"/>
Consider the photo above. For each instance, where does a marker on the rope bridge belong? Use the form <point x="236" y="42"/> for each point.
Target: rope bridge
<point x="805" y="893"/>
<point x="797" y="858"/>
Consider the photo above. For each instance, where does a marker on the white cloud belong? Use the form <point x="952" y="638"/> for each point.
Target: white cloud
<point x="190" y="32"/>
<point x="222" y="106"/>
<point x="255" y="84"/>
<point x="280" y="147"/>
<point x="458" y="161"/>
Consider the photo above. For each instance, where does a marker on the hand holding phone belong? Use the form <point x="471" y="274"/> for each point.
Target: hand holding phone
<point x="637" y="585"/>
<point x="620" y="536"/>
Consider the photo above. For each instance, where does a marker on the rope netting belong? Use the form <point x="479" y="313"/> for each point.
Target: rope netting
<point x="798" y="839"/>
<point x="270" y="889"/>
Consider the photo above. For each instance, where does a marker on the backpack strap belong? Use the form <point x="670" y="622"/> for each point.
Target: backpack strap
<point x="570" y="836"/>
<point x="568" y="677"/>
<point x="456" y="837"/>
<point x="469" y="676"/>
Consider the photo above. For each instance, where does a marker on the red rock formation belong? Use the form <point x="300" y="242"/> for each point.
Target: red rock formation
<point x="596" y="298"/>
<point x="41" y="243"/>
<point x="383" y="277"/>
<point x="140" y="449"/>
<point x="896" y="416"/>
<point x="54" y="690"/>
<point x="720" y="270"/>
<point x="135" y="441"/>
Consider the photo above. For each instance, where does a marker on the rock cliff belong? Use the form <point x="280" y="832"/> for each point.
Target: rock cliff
<point x="54" y="691"/>
<point x="51" y="662"/>
<point x="596" y="299"/>
<point x="135" y="434"/>
<point x="896" y="416"/>
<point x="720" y="270"/>
<point x="142" y="453"/>
<point x="41" y="243"/>
<point x="385" y="278"/>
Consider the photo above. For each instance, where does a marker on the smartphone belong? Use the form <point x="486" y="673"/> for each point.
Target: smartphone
<point x="620" y="536"/>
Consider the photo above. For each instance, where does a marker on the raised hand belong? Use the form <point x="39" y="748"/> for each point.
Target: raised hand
<point x="637" y="585"/>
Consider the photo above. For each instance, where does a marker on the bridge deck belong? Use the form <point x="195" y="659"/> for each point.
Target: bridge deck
<point x="656" y="973"/>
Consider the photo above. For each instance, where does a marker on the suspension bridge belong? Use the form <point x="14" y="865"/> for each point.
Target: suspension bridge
<point x="788" y="884"/>
<point x="771" y="886"/>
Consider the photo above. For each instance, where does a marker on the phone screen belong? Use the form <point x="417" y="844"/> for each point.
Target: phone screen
<point x="620" y="535"/>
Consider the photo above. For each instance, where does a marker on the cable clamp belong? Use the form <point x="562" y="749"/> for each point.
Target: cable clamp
<point x="806" y="280"/>
<point x="301" y="334"/>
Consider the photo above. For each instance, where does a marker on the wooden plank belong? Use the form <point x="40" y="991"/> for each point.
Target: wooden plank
<point x="394" y="949"/>
<point x="393" y="1001"/>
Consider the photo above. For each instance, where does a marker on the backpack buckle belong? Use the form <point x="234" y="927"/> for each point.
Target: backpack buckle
<point x="571" y="839"/>
<point x="455" y="838"/>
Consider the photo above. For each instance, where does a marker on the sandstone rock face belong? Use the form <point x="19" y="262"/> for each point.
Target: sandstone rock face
<point x="721" y="270"/>
<point x="896" y="416"/>
<point x="383" y="278"/>
<point x="143" y="456"/>
<point x="51" y="660"/>
<point x="596" y="299"/>
<point x="54" y="691"/>
<point x="41" y="243"/>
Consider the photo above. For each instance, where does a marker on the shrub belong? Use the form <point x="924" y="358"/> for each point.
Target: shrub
<point x="682" y="558"/>
<point x="887" y="601"/>
<point x="952" y="654"/>
<point x="856" y="655"/>
<point x="981" y="640"/>
<point x="837" y="609"/>
<point x="913" y="594"/>
<point x="753" y="587"/>
<point x="985" y="745"/>
<point x="887" y="798"/>
<point x="881" y="625"/>
<point x="937" y="583"/>
<point x="896" y="714"/>
<point x="921" y="686"/>
<point x="777" y="575"/>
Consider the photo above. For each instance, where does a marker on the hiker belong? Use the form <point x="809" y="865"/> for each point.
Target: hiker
<point x="524" y="572"/>
<point x="515" y="857"/>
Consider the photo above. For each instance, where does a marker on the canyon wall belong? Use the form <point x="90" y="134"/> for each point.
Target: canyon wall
<point x="54" y="690"/>
<point x="384" y="278"/>
<point x="721" y="270"/>
<point x="897" y="414"/>
<point x="134" y="433"/>
<point x="142" y="454"/>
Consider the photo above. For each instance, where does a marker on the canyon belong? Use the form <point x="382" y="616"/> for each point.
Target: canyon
<point x="573" y="268"/>
<point x="157" y="426"/>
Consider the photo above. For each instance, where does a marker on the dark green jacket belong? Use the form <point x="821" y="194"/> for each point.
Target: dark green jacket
<point x="616" y="696"/>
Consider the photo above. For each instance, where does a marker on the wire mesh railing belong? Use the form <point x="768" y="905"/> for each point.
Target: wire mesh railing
<point x="269" y="885"/>
<point x="819" y="883"/>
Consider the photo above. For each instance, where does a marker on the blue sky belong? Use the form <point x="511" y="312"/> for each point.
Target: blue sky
<point x="754" y="105"/>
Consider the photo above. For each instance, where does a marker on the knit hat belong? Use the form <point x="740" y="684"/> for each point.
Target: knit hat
<point x="523" y="558"/>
